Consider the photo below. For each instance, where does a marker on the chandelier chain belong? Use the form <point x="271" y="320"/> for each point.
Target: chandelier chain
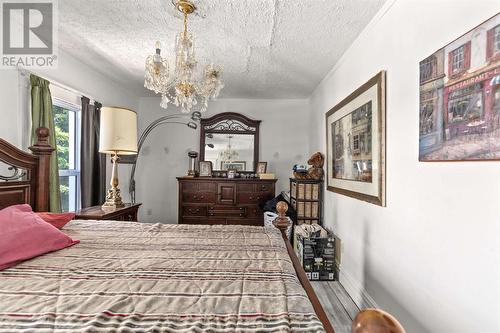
<point x="185" y="24"/>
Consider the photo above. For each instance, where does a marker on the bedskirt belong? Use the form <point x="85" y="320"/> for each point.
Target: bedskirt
<point x="140" y="277"/>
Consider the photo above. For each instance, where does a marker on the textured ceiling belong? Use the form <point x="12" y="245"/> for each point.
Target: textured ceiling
<point x="268" y="48"/>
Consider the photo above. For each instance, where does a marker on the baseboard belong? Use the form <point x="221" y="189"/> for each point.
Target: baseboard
<point x="357" y="291"/>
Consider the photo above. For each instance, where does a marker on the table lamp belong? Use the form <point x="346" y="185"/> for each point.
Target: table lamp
<point x="118" y="135"/>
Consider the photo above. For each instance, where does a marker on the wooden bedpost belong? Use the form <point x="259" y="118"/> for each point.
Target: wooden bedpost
<point x="281" y="222"/>
<point x="43" y="150"/>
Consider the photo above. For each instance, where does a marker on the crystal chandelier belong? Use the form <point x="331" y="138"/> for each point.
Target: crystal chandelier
<point x="182" y="88"/>
<point x="227" y="155"/>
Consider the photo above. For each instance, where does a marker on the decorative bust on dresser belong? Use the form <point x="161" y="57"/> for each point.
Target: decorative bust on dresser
<point x="230" y="142"/>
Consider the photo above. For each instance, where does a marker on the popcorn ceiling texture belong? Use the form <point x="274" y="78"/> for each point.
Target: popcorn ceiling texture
<point x="268" y="48"/>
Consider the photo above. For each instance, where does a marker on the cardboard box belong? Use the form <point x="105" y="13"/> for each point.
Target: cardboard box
<point x="316" y="253"/>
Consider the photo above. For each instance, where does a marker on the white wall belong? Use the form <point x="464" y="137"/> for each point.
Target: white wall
<point x="71" y="73"/>
<point x="431" y="257"/>
<point x="283" y="143"/>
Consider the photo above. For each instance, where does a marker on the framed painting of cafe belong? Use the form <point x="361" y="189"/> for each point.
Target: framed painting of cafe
<point x="460" y="98"/>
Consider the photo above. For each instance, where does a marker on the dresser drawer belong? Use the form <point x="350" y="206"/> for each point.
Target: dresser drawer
<point x="194" y="211"/>
<point x="127" y="213"/>
<point x="129" y="217"/>
<point x="207" y="187"/>
<point x="246" y="188"/>
<point x="265" y="187"/>
<point x="198" y="197"/>
<point x="191" y="186"/>
<point x="254" y="211"/>
<point x="254" y="197"/>
<point x="225" y="211"/>
<point x="256" y="187"/>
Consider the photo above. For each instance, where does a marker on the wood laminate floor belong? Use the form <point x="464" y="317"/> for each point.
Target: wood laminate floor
<point x="337" y="304"/>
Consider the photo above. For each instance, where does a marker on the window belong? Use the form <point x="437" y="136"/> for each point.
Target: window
<point x="496" y="39"/>
<point x="427" y="101"/>
<point x="428" y="68"/>
<point x="458" y="59"/>
<point x="355" y="142"/>
<point x="67" y="128"/>
<point x="466" y="105"/>
<point x="496" y="101"/>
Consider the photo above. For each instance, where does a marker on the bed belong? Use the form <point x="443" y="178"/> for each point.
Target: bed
<point x="141" y="277"/>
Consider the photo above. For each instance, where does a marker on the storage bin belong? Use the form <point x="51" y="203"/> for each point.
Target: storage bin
<point x="316" y="253"/>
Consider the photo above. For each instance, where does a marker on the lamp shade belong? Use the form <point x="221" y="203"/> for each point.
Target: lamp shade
<point x="118" y="131"/>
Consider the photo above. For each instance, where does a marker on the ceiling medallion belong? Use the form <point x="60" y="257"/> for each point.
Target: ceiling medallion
<point x="180" y="87"/>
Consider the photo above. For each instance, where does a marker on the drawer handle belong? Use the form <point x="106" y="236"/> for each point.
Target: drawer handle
<point x="211" y="214"/>
<point x="241" y="208"/>
<point x="264" y="187"/>
<point x="197" y="210"/>
<point x="241" y="214"/>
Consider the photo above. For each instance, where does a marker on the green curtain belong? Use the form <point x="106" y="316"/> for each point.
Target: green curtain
<point x="43" y="116"/>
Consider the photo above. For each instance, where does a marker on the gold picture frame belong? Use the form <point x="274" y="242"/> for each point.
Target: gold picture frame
<point x="356" y="143"/>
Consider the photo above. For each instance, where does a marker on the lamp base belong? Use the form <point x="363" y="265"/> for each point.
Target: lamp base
<point x="113" y="199"/>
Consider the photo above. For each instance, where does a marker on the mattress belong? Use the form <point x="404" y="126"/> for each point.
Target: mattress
<point x="140" y="277"/>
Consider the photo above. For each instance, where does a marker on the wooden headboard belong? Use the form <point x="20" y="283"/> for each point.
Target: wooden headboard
<point x="24" y="177"/>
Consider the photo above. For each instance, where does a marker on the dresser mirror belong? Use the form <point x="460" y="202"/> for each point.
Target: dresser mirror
<point x="230" y="141"/>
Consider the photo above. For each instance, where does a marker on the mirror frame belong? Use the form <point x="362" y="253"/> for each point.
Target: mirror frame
<point x="230" y="123"/>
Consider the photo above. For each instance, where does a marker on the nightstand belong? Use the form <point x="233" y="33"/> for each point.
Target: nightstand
<point x="127" y="213"/>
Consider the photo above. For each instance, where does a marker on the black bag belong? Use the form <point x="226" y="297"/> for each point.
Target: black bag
<point x="270" y="206"/>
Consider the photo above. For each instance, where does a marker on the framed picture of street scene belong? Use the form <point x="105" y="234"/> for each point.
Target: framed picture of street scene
<point x="355" y="141"/>
<point x="460" y="98"/>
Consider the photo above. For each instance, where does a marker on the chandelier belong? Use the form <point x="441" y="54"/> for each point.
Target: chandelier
<point x="182" y="88"/>
<point x="227" y="155"/>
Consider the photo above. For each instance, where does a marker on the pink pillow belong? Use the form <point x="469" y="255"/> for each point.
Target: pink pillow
<point x="24" y="235"/>
<point x="58" y="220"/>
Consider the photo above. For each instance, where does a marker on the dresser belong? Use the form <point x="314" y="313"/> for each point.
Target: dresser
<point x="222" y="200"/>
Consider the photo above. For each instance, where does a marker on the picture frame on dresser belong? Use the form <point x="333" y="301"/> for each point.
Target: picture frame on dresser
<point x="355" y="141"/>
<point x="238" y="166"/>
<point x="261" y="167"/>
<point x="205" y="169"/>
